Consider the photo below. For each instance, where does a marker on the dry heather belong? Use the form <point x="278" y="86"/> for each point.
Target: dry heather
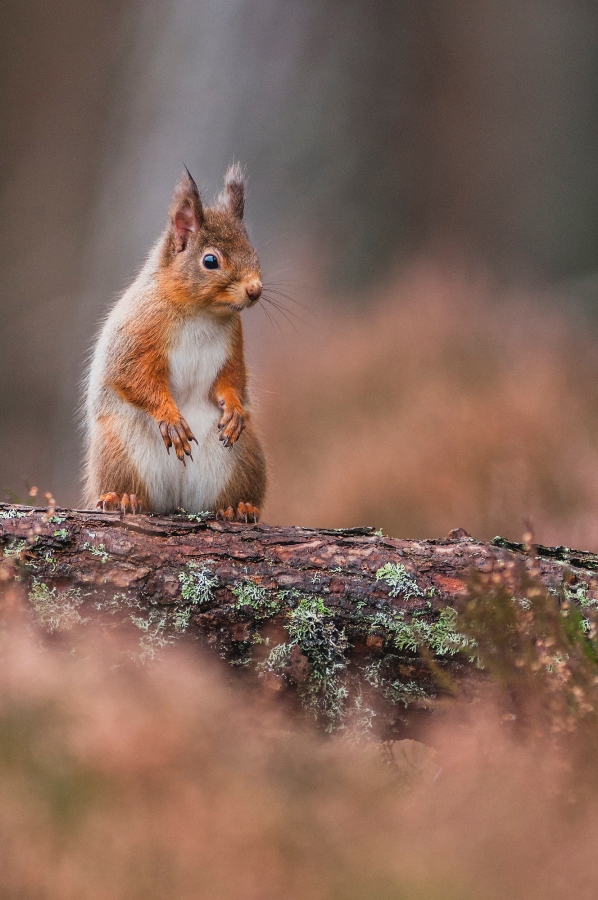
<point x="446" y="402"/>
<point x="122" y="780"/>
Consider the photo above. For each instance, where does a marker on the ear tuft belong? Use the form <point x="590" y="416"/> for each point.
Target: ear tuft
<point x="186" y="211"/>
<point x="232" y="197"/>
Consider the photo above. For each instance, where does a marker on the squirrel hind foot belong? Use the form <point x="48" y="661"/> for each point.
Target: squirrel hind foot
<point x="122" y="502"/>
<point x="245" y="512"/>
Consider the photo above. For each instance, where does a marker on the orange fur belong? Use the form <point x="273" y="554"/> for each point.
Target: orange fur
<point x="111" y="464"/>
<point x="248" y="483"/>
<point x="229" y="388"/>
<point x="141" y="377"/>
<point x="231" y="382"/>
<point x="176" y="305"/>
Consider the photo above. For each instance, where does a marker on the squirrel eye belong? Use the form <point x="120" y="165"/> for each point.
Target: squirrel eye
<point x="210" y="261"/>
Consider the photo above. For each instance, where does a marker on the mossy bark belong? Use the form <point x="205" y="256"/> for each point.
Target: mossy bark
<point x="301" y="607"/>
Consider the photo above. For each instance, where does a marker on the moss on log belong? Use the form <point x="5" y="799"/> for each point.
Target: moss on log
<point x="347" y="619"/>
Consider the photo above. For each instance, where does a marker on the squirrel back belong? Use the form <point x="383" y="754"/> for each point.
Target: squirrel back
<point x="169" y="370"/>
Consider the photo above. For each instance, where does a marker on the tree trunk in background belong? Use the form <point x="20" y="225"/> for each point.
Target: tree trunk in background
<point x="58" y="81"/>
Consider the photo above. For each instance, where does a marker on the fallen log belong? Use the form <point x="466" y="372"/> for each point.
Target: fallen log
<point x="349" y="618"/>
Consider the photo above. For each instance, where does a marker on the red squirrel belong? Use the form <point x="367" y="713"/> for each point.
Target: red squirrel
<point x="169" y="370"/>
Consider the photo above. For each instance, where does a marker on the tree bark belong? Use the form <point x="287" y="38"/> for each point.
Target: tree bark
<point x="301" y="607"/>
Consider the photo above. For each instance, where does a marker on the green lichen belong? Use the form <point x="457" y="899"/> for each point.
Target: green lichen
<point x="61" y="533"/>
<point x="393" y="689"/>
<point x="415" y="633"/>
<point x="15" y="548"/>
<point x="55" y="610"/>
<point x="181" y="618"/>
<point x="277" y="660"/>
<point x="262" y="604"/>
<point x="12" y="514"/>
<point x="116" y="603"/>
<point x="57" y="520"/>
<point x="161" y="627"/>
<point x="289" y="597"/>
<point x="200" y="516"/>
<point x="197" y="585"/>
<point x="324" y="692"/>
<point x="360" y="714"/>
<point x="155" y="635"/>
<point x="400" y="581"/>
<point x="328" y="690"/>
<point x="240" y="662"/>
<point x="576" y="594"/>
<point x="99" y="551"/>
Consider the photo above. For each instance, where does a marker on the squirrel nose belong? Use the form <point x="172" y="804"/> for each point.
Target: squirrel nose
<point x="253" y="289"/>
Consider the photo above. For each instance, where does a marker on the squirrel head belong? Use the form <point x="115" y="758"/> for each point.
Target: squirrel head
<point x="207" y="258"/>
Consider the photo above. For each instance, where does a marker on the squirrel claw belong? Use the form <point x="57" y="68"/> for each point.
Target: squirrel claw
<point x="122" y="502"/>
<point x="248" y="512"/>
<point x="231" y="426"/>
<point x="245" y="512"/>
<point x="177" y="435"/>
<point x="108" y="501"/>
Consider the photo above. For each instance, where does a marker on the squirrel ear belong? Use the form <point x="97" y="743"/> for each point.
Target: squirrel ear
<point x="186" y="211"/>
<point x="232" y="197"/>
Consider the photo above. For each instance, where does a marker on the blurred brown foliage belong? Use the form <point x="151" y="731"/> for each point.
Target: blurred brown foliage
<point x="449" y="401"/>
<point x="376" y="131"/>
<point x="167" y="780"/>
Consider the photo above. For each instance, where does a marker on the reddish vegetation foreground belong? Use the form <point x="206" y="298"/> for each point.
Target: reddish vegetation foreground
<point x="121" y="780"/>
<point x="135" y="766"/>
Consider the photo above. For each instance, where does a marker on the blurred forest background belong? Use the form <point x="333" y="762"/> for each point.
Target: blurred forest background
<point x="423" y="180"/>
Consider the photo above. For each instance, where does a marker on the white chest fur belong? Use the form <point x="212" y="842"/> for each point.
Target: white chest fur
<point x="199" y="351"/>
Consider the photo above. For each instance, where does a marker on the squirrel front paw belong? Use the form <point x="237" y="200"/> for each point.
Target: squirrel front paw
<point x="231" y="424"/>
<point x="177" y="434"/>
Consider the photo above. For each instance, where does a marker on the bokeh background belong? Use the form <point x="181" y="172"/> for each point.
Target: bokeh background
<point x="423" y="184"/>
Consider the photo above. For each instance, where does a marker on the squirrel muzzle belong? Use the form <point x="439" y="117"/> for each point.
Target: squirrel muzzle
<point x="253" y="289"/>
